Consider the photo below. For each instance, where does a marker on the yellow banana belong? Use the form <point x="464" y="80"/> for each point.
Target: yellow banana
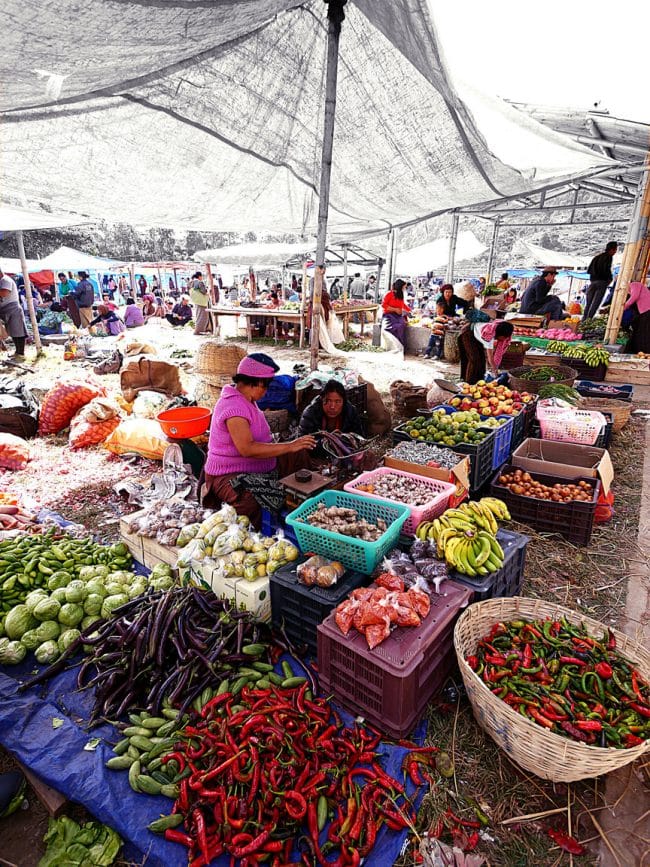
<point x="450" y="550"/>
<point x="489" y="517"/>
<point x="464" y="550"/>
<point x="497" y="550"/>
<point x="485" y="548"/>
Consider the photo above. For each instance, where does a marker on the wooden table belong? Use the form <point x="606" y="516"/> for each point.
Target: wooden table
<point x="276" y="315"/>
<point x="349" y="310"/>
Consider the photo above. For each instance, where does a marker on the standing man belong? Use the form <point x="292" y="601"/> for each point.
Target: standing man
<point x="66" y="289"/>
<point x="11" y="314"/>
<point x="536" y="298"/>
<point x="600" y="273"/>
<point x="199" y="298"/>
<point x="358" y="288"/>
<point x="84" y="295"/>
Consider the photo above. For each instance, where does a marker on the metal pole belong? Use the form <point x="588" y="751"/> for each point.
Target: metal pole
<point x="451" y="261"/>
<point x="134" y="293"/>
<point x="389" y="259"/>
<point x="345" y="273"/>
<point x="493" y="248"/>
<point x="634" y="253"/>
<point x="380" y="263"/>
<point x="393" y="264"/>
<point x="335" y="17"/>
<point x="28" y="292"/>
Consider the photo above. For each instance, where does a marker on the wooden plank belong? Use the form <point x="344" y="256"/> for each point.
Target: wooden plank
<point x="54" y="802"/>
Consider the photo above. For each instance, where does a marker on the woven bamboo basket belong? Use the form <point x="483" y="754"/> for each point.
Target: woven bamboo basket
<point x="565" y="376"/>
<point x="450" y="351"/>
<point x="620" y="410"/>
<point x="546" y="754"/>
<point x="214" y="360"/>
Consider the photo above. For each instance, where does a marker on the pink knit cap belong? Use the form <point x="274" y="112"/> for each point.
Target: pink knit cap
<point x="250" y="367"/>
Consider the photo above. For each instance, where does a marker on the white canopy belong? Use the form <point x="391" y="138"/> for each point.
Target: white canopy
<point x="270" y="255"/>
<point x="536" y="256"/>
<point x="209" y="114"/>
<point x="426" y="257"/>
<point x="69" y="259"/>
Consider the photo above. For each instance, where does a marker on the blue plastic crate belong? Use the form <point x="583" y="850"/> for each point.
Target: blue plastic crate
<point x="352" y="552"/>
<point x="502" y="446"/>
<point x="588" y="388"/>
<point x="274" y="521"/>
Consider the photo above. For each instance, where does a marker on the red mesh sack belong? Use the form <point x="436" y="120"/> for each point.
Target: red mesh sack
<point x="604" y="508"/>
<point x="14" y="452"/>
<point x="84" y="434"/>
<point x="62" y="403"/>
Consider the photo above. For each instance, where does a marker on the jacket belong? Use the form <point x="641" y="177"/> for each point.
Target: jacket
<point x="600" y="268"/>
<point x="535" y="295"/>
<point x="84" y="293"/>
<point x="312" y="418"/>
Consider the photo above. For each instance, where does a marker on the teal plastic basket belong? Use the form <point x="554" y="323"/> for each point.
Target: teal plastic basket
<point x="353" y="553"/>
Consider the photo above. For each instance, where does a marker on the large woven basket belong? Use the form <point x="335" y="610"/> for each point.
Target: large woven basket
<point x="206" y="394"/>
<point x="548" y="755"/>
<point x="620" y="410"/>
<point x="214" y="360"/>
<point x="450" y="351"/>
<point x="565" y="376"/>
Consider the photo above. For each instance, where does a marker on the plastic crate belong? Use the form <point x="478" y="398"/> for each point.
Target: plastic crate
<point x="274" y="521"/>
<point x="508" y="580"/>
<point x="302" y="609"/>
<point x="602" y="441"/>
<point x="502" y="445"/>
<point x="521" y="424"/>
<point x="391" y="685"/>
<point x="571" y="425"/>
<point x="589" y="388"/>
<point x="574" y="521"/>
<point x="353" y="553"/>
<point x="358" y="397"/>
<point x="440" y="494"/>
<point x="595" y="374"/>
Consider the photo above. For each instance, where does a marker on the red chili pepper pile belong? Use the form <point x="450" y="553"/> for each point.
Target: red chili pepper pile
<point x="557" y="675"/>
<point x="268" y="768"/>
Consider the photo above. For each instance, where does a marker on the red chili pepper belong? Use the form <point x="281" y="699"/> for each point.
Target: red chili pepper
<point x="588" y="725"/>
<point x="495" y="659"/>
<point x="295" y="804"/>
<point x="574" y="732"/>
<point x="175" y="836"/>
<point x="635" y="687"/>
<point x="640" y="709"/>
<point x="564" y="841"/>
<point x="414" y="773"/>
<point x="253" y="846"/>
<point x="540" y="718"/>
<point x="528" y="656"/>
<point x="573" y="660"/>
<point x="465" y="823"/>
<point x="604" y="670"/>
<point x="611" y="640"/>
<point x="473" y="663"/>
<point x="633" y="741"/>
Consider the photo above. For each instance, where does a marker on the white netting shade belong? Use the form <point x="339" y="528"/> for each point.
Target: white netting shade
<point x="209" y="114"/>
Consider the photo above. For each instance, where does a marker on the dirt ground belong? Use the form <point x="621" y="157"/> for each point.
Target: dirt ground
<point x="599" y="581"/>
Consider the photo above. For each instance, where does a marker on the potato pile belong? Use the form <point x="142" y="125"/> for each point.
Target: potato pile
<point x="347" y="522"/>
<point x="523" y="484"/>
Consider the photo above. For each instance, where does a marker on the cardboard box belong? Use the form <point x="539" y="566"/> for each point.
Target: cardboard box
<point x="567" y="460"/>
<point x="458" y="475"/>
<point x="132" y="540"/>
<point x="255" y="596"/>
<point x="155" y="553"/>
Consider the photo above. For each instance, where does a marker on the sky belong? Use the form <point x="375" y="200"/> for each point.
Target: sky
<point x="569" y="53"/>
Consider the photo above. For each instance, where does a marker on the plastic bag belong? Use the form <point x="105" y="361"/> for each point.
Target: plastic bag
<point x="320" y="571"/>
<point x="140" y="435"/>
<point x="149" y="403"/>
<point x="14" y="452"/>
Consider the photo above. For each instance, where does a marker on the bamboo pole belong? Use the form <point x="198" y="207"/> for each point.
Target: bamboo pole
<point x="380" y="263"/>
<point x="389" y="259"/>
<point x="134" y="291"/>
<point x="211" y="288"/>
<point x="345" y="273"/>
<point x="635" y="255"/>
<point x="28" y="292"/>
<point x="493" y="248"/>
<point x="335" y="17"/>
<point x="451" y="261"/>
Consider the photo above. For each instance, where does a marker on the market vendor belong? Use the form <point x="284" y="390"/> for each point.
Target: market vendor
<point x="181" y="312"/>
<point x="637" y="310"/>
<point x="451" y="301"/>
<point x="537" y="299"/>
<point x="331" y="410"/>
<point x="482" y="346"/>
<point x="111" y="323"/>
<point x="396" y="311"/>
<point x="241" y="444"/>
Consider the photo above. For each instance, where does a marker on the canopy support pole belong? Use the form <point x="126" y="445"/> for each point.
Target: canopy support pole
<point x="380" y="263"/>
<point x="335" y="18"/>
<point x="635" y="254"/>
<point x="493" y="249"/>
<point x="389" y="259"/>
<point x="134" y="293"/>
<point x="451" y="261"/>
<point x="28" y="293"/>
<point x="345" y="273"/>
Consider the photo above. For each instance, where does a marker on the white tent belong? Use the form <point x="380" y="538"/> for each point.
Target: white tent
<point x="215" y="120"/>
<point x="69" y="259"/>
<point x="536" y="256"/>
<point x="426" y="257"/>
<point x="271" y="255"/>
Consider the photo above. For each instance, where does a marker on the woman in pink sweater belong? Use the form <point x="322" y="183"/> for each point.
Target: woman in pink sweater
<point x="639" y="306"/>
<point x="241" y="440"/>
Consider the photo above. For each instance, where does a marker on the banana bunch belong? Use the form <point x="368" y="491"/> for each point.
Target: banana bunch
<point x="473" y="553"/>
<point x="574" y="350"/>
<point x="596" y="355"/>
<point x="560" y="347"/>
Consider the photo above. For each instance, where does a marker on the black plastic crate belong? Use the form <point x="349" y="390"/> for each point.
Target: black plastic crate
<point x="589" y="388"/>
<point x="303" y="608"/>
<point x="508" y="580"/>
<point x="595" y="374"/>
<point x="574" y="521"/>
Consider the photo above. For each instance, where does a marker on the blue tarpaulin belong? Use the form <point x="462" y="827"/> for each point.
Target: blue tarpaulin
<point x="57" y="756"/>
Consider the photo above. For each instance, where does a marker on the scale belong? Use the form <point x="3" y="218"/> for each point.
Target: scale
<point x="297" y="492"/>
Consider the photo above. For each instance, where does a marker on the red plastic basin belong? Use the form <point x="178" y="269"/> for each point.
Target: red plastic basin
<point x="184" y="421"/>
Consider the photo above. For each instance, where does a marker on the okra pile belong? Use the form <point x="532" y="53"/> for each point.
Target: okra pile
<point x="555" y="674"/>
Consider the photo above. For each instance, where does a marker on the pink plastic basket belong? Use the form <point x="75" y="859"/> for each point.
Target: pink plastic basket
<point x="570" y="425"/>
<point x="440" y="494"/>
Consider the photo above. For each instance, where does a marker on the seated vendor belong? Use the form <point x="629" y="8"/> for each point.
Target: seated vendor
<point x="331" y="410"/>
<point x="241" y="442"/>
<point x="51" y="320"/>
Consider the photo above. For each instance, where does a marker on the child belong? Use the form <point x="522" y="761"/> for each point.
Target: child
<point x="437" y="332"/>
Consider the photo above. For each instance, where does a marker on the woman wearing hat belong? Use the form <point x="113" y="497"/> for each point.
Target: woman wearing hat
<point x="241" y="441"/>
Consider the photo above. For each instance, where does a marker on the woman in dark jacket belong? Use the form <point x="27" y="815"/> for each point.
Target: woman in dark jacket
<point x="451" y="301"/>
<point x="332" y="411"/>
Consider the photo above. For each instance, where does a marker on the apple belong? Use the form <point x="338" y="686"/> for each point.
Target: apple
<point x="455" y="401"/>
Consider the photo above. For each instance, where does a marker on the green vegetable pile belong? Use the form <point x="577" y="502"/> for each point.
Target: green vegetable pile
<point x="70" y="845"/>
<point x="545" y="373"/>
<point x="563" y="392"/>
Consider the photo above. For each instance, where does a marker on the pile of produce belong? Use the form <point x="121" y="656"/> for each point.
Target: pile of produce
<point x="466" y="536"/>
<point x="591" y="355"/>
<point x="543" y="373"/>
<point x="557" y="675"/>
<point x="278" y="766"/>
<point x="401" y="489"/>
<point x="419" y="567"/>
<point x="337" y="519"/>
<point x="525" y="485"/>
<point x="560" y="392"/>
<point x="168" y="644"/>
<point x="555" y="334"/>
<point x="166" y="519"/>
<point x="320" y="572"/>
<point x="290" y="305"/>
<point x="28" y="562"/>
<point x="74" y="845"/>
<point x="595" y="326"/>
<point x="342" y="445"/>
<point x="424" y="454"/>
<point x="484" y="396"/>
<point x="452" y="429"/>
<point x="14" y="517"/>
<point x="48" y="622"/>
<point x="374" y="610"/>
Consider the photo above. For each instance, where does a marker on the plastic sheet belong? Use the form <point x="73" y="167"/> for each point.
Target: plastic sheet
<point x="58" y="757"/>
